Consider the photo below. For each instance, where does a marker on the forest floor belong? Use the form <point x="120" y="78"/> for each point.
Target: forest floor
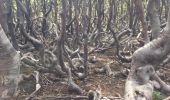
<point x="109" y="85"/>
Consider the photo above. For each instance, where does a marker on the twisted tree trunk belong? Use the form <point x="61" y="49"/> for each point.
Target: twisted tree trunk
<point x="9" y="60"/>
<point x="138" y="85"/>
<point x="9" y="67"/>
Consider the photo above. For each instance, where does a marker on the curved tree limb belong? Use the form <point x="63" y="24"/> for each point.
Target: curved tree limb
<point x="142" y="67"/>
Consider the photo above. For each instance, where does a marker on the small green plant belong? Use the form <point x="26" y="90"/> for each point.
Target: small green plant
<point x="158" y="96"/>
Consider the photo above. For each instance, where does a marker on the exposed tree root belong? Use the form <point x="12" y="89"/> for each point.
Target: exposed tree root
<point x="163" y="86"/>
<point x="38" y="86"/>
<point x="72" y="86"/>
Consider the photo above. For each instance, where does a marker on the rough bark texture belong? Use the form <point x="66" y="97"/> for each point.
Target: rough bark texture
<point x="3" y="16"/>
<point x="138" y="86"/>
<point x="141" y="15"/>
<point x="153" y="9"/>
<point x="9" y="66"/>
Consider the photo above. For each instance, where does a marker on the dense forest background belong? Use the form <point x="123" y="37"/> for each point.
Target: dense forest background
<point x="80" y="49"/>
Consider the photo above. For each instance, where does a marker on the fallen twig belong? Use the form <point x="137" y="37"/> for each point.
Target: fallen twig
<point x="62" y="97"/>
<point x="38" y="86"/>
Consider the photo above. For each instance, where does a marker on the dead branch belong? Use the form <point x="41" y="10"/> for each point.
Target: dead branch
<point x="125" y="32"/>
<point x="72" y="86"/>
<point x="37" y="88"/>
<point x="108" y="69"/>
<point x="63" y="97"/>
<point x="123" y="59"/>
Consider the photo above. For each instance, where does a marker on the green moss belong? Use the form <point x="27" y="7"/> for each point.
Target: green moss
<point x="158" y="96"/>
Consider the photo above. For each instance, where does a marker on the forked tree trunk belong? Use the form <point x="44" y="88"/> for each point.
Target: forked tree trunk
<point x="9" y="67"/>
<point x="138" y="85"/>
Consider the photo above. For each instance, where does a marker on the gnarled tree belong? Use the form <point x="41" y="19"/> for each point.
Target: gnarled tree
<point x="138" y="85"/>
<point x="9" y="61"/>
<point x="9" y="66"/>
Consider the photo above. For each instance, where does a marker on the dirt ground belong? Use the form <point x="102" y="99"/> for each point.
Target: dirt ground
<point x="110" y="86"/>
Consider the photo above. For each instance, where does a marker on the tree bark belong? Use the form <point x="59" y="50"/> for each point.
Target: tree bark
<point x="9" y="60"/>
<point x="141" y="15"/>
<point x="153" y="9"/>
<point x="11" y="24"/>
<point x="138" y="85"/>
<point x="9" y="66"/>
